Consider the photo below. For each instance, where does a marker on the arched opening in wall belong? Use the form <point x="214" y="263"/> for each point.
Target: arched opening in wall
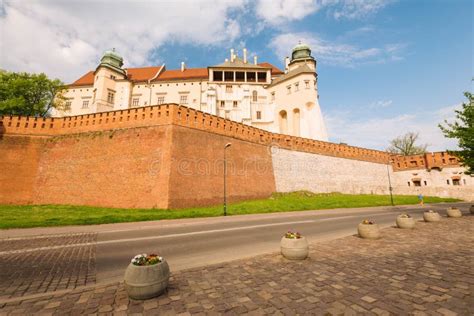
<point x="296" y="122"/>
<point x="254" y="96"/>
<point x="283" y="122"/>
<point x="309" y="106"/>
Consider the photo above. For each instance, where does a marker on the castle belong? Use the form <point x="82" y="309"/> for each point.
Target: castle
<point x="151" y="137"/>
<point x="252" y="93"/>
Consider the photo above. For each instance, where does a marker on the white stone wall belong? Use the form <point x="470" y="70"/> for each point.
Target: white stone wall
<point x="296" y="171"/>
<point x="436" y="183"/>
<point x="322" y="174"/>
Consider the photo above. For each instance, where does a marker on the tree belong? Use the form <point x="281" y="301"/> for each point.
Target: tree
<point x="463" y="130"/>
<point x="29" y="94"/>
<point x="405" y="145"/>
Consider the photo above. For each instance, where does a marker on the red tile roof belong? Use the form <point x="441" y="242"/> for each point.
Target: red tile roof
<point x="177" y="74"/>
<point x="275" y="70"/>
<point x="147" y="73"/>
<point x="142" y="74"/>
<point x="86" y="80"/>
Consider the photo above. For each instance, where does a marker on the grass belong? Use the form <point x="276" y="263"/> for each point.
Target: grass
<point x="23" y="216"/>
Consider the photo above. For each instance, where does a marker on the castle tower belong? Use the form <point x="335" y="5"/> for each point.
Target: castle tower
<point x="297" y="110"/>
<point x="107" y="72"/>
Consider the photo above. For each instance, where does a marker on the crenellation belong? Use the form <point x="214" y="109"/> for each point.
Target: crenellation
<point x="180" y="115"/>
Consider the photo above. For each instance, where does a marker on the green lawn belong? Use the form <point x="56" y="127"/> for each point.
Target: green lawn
<point x="13" y="216"/>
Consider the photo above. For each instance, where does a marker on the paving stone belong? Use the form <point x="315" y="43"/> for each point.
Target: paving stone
<point x="405" y="272"/>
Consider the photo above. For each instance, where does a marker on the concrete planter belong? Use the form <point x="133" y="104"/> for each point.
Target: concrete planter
<point x="294" y="248"/>
<point x="144" y="282"/>
<point x="471" y="209"/>
<point x="368" y="231"/>
<point x="405" y="222"/>
<point x="431" y="217"/>
<point x="453" y="212"/>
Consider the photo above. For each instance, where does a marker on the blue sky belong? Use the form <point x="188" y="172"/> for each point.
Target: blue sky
<point x="384" y="67"/>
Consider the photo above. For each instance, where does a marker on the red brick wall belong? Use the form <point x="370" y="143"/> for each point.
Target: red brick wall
<point x="123" y="168"/>
<point x="197" y="169"/>
<point x="19" y="159"/>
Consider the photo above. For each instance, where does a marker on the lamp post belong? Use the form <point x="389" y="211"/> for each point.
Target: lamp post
<point x="225" y="178"/>
<point x="389" y="182"/>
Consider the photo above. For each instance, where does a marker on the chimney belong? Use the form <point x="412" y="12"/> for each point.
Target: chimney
<point x="287" y="63"/>
<point x="183" y="66"/>
<point x="245" y="55"/>
<point x="231" y="55"/>
<point x="255" y="59"/>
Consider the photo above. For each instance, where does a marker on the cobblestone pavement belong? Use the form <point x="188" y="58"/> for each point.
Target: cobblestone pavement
<point x="29" y="270"/>
<point x="425" y="271"/>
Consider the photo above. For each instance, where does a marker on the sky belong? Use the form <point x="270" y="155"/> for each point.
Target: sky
<point x="385" y="67"/>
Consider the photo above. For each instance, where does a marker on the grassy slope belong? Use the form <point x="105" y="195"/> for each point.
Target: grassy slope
<point x="13" y="216"/>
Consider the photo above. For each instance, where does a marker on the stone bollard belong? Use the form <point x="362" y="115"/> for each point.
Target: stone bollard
<point x="453" y="212"/>
<point x="368" y="230"/>
<point x="405" y="221"/>
<point x="431" y="216"/>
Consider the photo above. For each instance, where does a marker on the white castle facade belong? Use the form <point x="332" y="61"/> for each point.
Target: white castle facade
<point x="257" y="94"/>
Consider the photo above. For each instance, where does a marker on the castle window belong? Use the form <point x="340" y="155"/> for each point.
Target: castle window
<point x="425" y="183"/>
<point x="183" y="99"/>
<point x="417" y="183"/>
<point x="135" y="101"/>
<point x="222" y="104"/>
<point x="228" y="76"/>
<point x="240" y="76"/>
<point x="110" y="97"/>
<point x="254" y="96"/>
<point x="259" y="115"/>
<point x="67" y="106"/>
<point x="217" y="76"/>
<point x="464" y="181"/>
<point x="235" y="104"/>
<point x="273" y="96"/>
<point x="228" y="89"/>
<point x="306" y="84"/>
<point x="408" y="183"/>
<point x="456" y="182"/>
<point x="112" y="77"/>
<point x="85" y="104"/>
<point x="262" y="77"/>
<point x="288" y="89"/>
<point x="447" y="181"/>
<point x="297" y="86"/>
<point x="250" y="76"/>
<point x="160" y="100"/>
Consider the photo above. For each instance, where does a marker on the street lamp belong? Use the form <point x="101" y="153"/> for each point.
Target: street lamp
<point x="225" y="176"/>
<point x="389" y="182"/>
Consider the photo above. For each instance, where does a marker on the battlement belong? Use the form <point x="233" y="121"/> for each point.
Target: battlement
<point x="191" y="118"/>
<point x="435" y="160"/>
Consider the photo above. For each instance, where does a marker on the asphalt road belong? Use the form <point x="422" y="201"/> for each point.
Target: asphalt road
<point x="198" y="242"/>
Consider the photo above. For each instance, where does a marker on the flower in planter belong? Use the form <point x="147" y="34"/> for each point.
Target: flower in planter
<point x="367" y="222"/>
<point x="405" y="215"/>
<point x="293" y="235"/>
<point x="146" y="260"/>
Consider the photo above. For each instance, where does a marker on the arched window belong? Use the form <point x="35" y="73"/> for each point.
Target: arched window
<point x="296" y="122"/>
<point x="254" y="96"/>
<point x="283" y="122"/>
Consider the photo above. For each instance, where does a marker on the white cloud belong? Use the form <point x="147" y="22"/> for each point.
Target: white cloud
<point x="377" y="132"/>
<point x="66" y="38"/>
<point x="280" y="11"/>
<point x="380" y="104"/>
<point x="331" y="53"/>
<point x="357" y="9"/>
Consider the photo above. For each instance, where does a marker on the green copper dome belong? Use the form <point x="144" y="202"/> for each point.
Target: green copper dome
<point x="301" y="51"/>
<point x="112" y="60"/>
